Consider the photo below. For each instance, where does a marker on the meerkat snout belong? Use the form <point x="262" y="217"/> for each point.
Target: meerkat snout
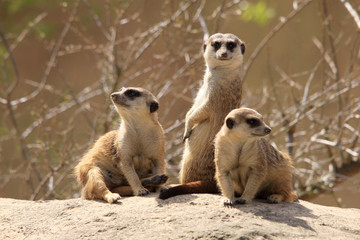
<point x="267" y="130"/>
<point x="114" y="96"/>
<point x="118" y="99"/>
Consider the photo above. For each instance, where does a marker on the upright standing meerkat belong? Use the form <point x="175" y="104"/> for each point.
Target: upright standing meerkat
<point x="128" y="155"/>
<point x="247" y="164"/>
<point x="219" y="94"/>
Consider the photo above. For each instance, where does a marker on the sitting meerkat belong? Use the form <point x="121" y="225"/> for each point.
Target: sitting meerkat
<point x="247" y="164"/>
<point x="129" y="155"/>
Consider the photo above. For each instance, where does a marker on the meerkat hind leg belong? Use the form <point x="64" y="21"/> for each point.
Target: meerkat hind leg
<point x="96" y="187"/>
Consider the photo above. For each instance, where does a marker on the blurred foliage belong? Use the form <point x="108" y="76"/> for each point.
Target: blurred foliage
<point x="2" y="51"/>
<point x="259" y="12"/>
<point x="15" y="6"/>
<point x="45" y="30"/>
<point x="15" y="15"/>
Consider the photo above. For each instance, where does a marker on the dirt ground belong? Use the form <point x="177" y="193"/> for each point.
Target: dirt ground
<point x="183" y="217"/>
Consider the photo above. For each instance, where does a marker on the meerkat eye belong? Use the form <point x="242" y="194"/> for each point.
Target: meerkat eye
<point x="230" y="123"/>
<point x="216" y="45"/>
<point x="253" y="122"/>
<point x="231" y="45"/>
<point x="132" y="93"/>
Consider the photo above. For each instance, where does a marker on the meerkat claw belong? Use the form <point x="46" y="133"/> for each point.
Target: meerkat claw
<point x="143" y="192"/>
<point x="227" y="203"/>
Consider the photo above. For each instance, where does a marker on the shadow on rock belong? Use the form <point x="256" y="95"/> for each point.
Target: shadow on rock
<point x="177" y="199"/>
<point x="283" y="212"/>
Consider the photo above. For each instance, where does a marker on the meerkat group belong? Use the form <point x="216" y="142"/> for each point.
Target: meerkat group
<point x="224" y="149"/>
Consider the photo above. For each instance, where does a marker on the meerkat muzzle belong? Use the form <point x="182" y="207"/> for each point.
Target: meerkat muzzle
<point x="267" y="130"/>
<point x="118" y="99"/>
<point x="114" y="96"/>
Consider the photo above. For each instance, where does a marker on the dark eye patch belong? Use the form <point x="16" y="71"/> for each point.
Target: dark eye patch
<point x="216" y="45"/>
<point x="230" y="123"/>
<point x="231" y="45"/>
<point x="253" y="122"/>
<point x="131" y="93"/>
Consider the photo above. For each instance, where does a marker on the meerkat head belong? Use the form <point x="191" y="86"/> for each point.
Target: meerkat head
<point x="223" y="50"/>
<point x="246" y="123"/>
<point x="134" y="101"/>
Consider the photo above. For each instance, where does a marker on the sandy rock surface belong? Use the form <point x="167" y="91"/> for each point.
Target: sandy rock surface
<point x="184" y="217"/>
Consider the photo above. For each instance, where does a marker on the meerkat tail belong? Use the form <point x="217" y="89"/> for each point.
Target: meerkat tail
<point x="189" y="188"/>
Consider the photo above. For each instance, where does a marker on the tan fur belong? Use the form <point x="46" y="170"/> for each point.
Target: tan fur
<point x="122" y="157"/>
<point x="219" y="94"/>
<point x="247" y="164"/>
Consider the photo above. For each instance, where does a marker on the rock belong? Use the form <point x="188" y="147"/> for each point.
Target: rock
<point x="198" y="216"/>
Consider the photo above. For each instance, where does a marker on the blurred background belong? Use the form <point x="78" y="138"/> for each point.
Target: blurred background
<point x="60" y="61"/>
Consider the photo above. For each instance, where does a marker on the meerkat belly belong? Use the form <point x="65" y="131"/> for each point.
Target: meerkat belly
<point x="198" y="160"/>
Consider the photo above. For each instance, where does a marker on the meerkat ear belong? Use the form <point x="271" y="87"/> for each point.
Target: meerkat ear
<point x="204" y="47"/>
<point x="230" y="123"/>
<point x="154" y="106"/>
<point x="242" y="46"/>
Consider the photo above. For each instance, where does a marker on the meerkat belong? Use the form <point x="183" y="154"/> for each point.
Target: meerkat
<point x="219" y="94"/>
<point x="247" y="164"/>
<point x="123" y="161"/>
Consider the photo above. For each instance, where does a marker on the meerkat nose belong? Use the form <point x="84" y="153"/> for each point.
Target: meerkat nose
<point x="114" y="96"/>
<point x="224" y="54"/>
<point x="267" y="130"/>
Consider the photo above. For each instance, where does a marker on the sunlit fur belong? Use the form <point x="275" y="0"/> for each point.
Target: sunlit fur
<point x="120" y="159"/>
<point x="247" y="164"/>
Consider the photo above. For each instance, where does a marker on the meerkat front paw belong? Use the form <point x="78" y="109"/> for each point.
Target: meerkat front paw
<point x="142" y="192"/>
<point x="156" y="180"/>
<point x="227" y="202"/>
<point x="112" y="197"/>
<point x="274" y="198"/>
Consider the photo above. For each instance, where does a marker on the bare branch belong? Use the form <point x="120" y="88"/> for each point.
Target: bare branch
<point x="271" y="34"/>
